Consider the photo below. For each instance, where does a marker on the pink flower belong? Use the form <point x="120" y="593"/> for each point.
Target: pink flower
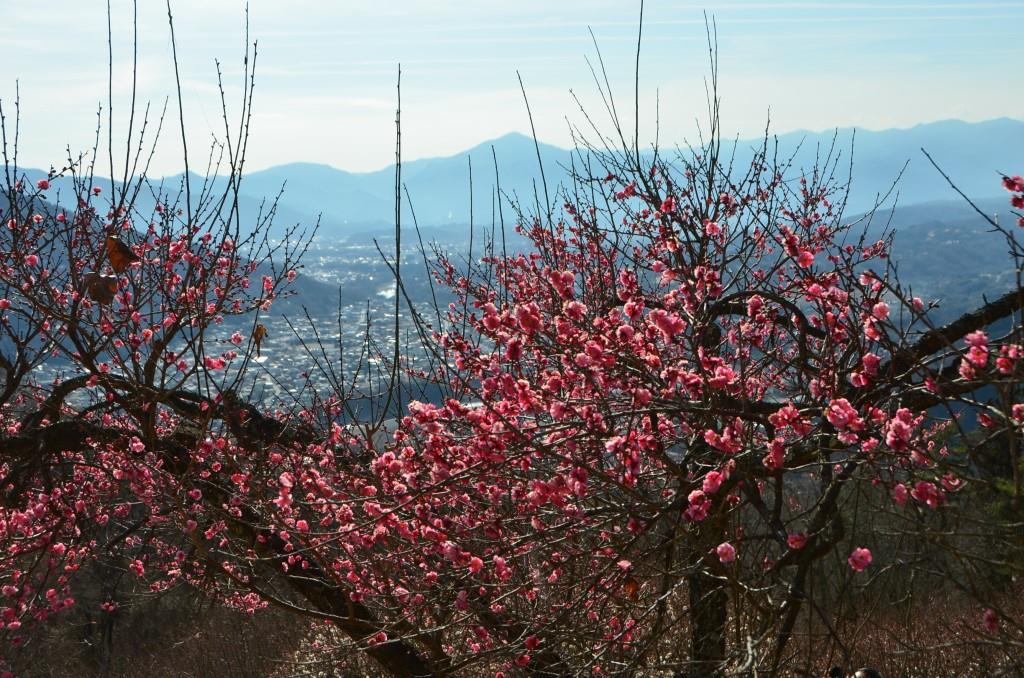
<point x="859" y="559"/>
<point x="528" y="317"/>
<point x="978" y="338"/>
<point x="475" y="564"/>
<point x="514" y="349"/>
<point x="31" y="260"/>
<point x="880" y="310"/>
<point x="991" y="620"/>
<point x="978" y="352"/>
<point x="724" y="375"/>
<point x="900" y="430"/>
<point x="790" y="416"/>
<point x="698" y="507"/>
<point x="563" y="282"/>
<point x="928" y="494"/>
<point x="712" y="481"/>
<point x="42" y="184"/>
<point x="776" y="454"/>
<point x="967" y="370"/>
<point x="843" y="416"/>
<point x="726" y="552"/>
<point x="669" y="324"/>
<point x="214" y="363"/>
<point x="805" y="259"/>
<point x="4" y="304"/>
<point x="728" y="441"/>
<point x="1009" y="354"/>
<point x="292" y="275"/>
<point x="1014" y="184"/>
<point x="797" y="540"/>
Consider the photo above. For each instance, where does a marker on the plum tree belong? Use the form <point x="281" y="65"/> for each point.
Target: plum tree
<point x="663" y="418"/>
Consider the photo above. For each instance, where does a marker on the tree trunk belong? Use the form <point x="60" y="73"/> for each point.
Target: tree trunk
<point x="709" y="613"/>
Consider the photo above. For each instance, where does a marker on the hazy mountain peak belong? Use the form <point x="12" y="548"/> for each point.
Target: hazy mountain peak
<point x="972" y="153"/>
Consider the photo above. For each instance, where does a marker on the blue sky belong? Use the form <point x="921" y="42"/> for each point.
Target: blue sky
<point x="326" y="70"/>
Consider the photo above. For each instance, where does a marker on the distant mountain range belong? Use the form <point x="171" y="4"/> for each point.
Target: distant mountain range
<point x="359" y="202"/>
<point x="971" y="153"/>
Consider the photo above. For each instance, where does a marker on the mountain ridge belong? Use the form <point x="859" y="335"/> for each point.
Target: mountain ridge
<point x="971" y="153"/>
